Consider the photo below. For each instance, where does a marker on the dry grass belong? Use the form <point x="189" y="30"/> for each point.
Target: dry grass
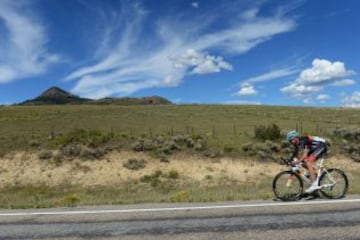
<point x="24" y="168"/>
<point x="27" y="181"/>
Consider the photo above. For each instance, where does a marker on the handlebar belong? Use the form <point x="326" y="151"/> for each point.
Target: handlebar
<point x="290" y="162"/>
<point x="287" y="161"/>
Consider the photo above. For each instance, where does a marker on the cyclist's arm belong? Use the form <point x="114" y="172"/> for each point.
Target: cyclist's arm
<point x="304" y="155"/>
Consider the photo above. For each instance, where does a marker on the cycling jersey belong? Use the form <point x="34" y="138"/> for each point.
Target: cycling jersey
<point x="315" y="146"/>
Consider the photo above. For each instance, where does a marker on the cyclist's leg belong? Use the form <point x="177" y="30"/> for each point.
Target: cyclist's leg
<point x="309" y="162"/>
<point x="314" y="155"/>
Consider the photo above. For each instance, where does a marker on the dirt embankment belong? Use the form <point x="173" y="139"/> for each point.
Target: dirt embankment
<point x="24" y="168"/>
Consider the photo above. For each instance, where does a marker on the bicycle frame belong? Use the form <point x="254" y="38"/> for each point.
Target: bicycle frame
<point x="320" y="169"/>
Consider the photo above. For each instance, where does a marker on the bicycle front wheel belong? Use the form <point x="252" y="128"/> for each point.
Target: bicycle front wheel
<point x="287" y="186"/>
<point x="334" y="183"/>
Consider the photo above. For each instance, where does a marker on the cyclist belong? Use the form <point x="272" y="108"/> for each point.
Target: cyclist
<point x="313" y="148"/>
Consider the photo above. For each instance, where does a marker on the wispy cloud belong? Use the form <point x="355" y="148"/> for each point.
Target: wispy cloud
<point x="275" y="74"/>
<point x="247" y="87"/>
<point x="23" y="51"/>
<point x="195" y="4"/>
<point x="171" y="49"/>
<point x="343" y="83"/>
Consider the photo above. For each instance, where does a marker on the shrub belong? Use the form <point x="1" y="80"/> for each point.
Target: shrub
<point x="182" y="196"/>
<point x="153" y="179"/>
<point x="34" y="143"/>
<point x="96" y="153"/>
<point x="134" y="164"/>
<point x="45" y="155"/>
<point x="200" y="145"/>
<point x="71" y="200"/>
<point x="228" y="149"/>
<point x="271" y="132"/>
<point x="348" y="134"/>
<point x="90" y="138"/>
<point x="173" y="174"/>
<point x="71" y="151"/>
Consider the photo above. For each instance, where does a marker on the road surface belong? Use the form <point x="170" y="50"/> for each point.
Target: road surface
<point x="315" y="219"/>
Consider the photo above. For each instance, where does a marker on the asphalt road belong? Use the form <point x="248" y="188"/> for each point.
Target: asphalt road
<point x="315" y="219"/>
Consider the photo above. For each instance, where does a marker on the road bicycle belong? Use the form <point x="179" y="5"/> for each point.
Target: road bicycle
<point x="289" y="185"/>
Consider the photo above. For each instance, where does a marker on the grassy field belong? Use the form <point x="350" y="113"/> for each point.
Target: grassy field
<point x="27" y="181"/>
<point x="225" y="125"/>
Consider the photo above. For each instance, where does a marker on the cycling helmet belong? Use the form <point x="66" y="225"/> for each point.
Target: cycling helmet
<point x="291" y="135"/>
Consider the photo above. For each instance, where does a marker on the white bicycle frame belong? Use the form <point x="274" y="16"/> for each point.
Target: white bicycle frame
<point x="320" y="169"/>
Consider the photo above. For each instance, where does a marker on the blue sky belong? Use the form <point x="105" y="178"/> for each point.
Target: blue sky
<point x="289" y="52"/>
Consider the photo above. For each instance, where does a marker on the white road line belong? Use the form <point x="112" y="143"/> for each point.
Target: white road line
<point x="166" y="209"/>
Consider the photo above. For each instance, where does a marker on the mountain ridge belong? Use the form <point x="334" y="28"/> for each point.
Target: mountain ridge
<point x="57" y="96"/>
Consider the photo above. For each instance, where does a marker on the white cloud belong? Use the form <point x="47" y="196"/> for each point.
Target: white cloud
<point x="343" y="83"/>
<point x="352" y="101"/>
<point x="323" y="97"/>
<point x="242" y="102"/>
<point x="246" y="90"/>
<point x="200" y="63"/>
<point x="23" y="48"/>
<point x="312" y="80"/>
<point x="324" y="71"/>
<point x="172" y="50"/>
<point x="301" y="91"/>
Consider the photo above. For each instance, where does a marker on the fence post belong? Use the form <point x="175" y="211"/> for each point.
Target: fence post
<point x="150" y="133"/>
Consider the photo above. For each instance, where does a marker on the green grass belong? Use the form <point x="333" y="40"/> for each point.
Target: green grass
<point x="130" y="193"/>
<point x="21" y="127"/>
<point x="135" y="192"/>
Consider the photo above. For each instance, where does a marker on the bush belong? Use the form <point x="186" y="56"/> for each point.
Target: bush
<point x="271" y="132"/>
<point x="167" y="146"/>
<point x="96" y="153"/>
<point x="153" y="179"/>
<point x="45" y="155"/>
<point x="90" y="138"/>
<point x="173" y="174"/>
<point x="71" y="151"/>
<point x="134" y="164"/>
<point x="71" y="200"/>
<point x="265" y="150"/>
<point x="348" y="134"/>
<point x="34" y="143"/>
<point x="182" y="196"/>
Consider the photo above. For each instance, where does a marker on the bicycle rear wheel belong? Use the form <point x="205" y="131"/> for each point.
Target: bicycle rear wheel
<point x="287" y="186"/>
<point x="335" y="183"/>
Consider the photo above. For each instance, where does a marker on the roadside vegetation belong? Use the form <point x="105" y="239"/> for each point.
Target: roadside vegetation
<point x="84" y="155"/>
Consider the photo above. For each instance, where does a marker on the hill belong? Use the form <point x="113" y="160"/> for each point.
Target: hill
<point x="54" y="96"/>
<point x="58" y="96"/>
<point x="132" y="101"/>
